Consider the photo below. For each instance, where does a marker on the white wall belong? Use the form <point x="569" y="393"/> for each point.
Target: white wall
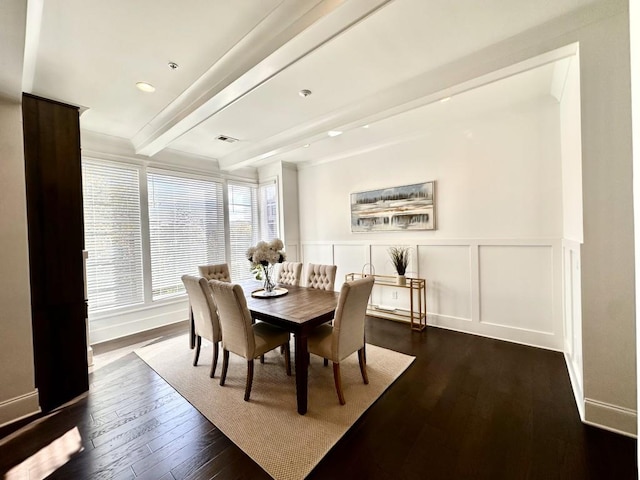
<point x="607" y="256"/>
<point x="494" y="257"/>
<point x="607" y="274"/>
<point x="18" y="396"/>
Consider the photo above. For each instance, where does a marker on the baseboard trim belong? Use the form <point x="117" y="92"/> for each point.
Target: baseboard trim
<point x="18" y="408"/>
<point x="492" y="336"/>
<point x="611" y="417"/>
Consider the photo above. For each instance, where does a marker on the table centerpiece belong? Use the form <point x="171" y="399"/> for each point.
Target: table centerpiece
<point x="263" y="257"/>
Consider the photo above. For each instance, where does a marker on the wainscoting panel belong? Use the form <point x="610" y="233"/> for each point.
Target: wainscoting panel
<point x="447" y="269"/>
<point x="506" y="289"/>
<point x="516" y="287"/>
<point x="318" y="253"/>
<point x="292" y="252"/>
<point x="349" y="258"/>
<point x="382" y="263"/>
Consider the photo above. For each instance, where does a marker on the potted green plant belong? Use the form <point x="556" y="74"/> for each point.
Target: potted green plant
<point x="400" y="259"/>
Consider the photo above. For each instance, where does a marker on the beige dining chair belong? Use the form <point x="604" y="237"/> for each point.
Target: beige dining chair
<point x="322" y="277"/>
<point x="290" y="273"/>
<point x="346" y="336"/>
<point x="205" y="317"/>
<point x="218" y="271"/>
<point x="242" y="337"/>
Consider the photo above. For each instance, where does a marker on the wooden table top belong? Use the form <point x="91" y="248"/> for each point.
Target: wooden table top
<point x="299" y="306"/>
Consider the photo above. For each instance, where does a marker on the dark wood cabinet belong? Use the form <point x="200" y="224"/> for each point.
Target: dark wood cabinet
<point x="53" y="177"/>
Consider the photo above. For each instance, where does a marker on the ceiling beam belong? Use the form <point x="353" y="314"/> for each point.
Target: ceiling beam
<point x="292" y="31"/>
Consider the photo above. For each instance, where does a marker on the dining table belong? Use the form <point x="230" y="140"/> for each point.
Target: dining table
<point x="299" y="311"/>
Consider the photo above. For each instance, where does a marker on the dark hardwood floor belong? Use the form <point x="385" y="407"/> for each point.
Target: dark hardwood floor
<point x="468" y="408"/>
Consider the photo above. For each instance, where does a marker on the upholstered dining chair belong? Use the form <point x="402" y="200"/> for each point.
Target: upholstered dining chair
<point x="242" y="337"/>
<point x="218" y="271"/>
<point x="322" y="277"/>
<point x="346" y="336"/>
<point x="290" y="273"/>
<point x="205" y="317"/>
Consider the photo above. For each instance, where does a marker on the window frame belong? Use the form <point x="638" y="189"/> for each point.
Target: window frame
<point x="143" y="168"/>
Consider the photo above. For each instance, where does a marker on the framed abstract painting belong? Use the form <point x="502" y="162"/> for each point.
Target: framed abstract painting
<point x="409" y="207"/>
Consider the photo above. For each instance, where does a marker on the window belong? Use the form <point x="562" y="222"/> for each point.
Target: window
<point x="113" y="238"/>
<point x="186" y="229"/>
<point x="243" y="227"/>
<point x="145" y="228"/>
<point x="269" y="210"/>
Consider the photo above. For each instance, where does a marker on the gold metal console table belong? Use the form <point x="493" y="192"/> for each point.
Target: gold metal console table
<point x="417" y="314"/>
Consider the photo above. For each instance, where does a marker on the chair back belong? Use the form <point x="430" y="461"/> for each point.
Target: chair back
<point x="219" y="271"/>
<point x="322" y="277"/>
<point x="290" y="273"/>
<point x="348" y="324"/>
<point x="205" y="317"/>
<point x="235" y="318"/>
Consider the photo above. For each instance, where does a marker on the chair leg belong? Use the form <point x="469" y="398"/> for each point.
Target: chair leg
<point x="214" y="362"/>
<point x="287" y="357"/>
<point x="247" y="389"/>
<point x="326" y="362"/>
<point x="225" y="365"/>
<point x="197" y="352"/>
<point x="261" y="358"/>
<point x="363" y="365"/>
<point x="338" y="381"/>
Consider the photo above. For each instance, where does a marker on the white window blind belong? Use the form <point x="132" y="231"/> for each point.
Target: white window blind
<point x="269" y="211"/>
<point x="186" y="227"/>
<point x="111" y="198"/>
<point x="243" y="227"/>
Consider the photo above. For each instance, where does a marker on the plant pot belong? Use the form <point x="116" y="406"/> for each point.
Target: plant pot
<point x="401" y="280"/>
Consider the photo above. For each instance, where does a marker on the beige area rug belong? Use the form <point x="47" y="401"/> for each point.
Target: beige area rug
<point x="268" y="428"/>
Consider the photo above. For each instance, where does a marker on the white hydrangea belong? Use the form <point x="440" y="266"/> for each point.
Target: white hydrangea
<point x="266" y="253"/>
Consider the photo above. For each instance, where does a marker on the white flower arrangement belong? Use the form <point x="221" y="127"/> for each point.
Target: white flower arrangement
<point x="262" y="257"/>
<point x="266" y="253"/>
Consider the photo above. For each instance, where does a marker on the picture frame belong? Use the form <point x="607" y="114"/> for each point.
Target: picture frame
<point x="403" y="208"/>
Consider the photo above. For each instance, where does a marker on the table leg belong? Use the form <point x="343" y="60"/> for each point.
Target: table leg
<point x="302" y="357"/>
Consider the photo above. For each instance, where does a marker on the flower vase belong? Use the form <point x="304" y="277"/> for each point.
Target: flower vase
<point x="401" y="280"/>
<point x="268" y="283"/>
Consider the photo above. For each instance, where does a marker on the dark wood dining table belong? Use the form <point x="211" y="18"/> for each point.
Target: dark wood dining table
<point x="299" y="311"/>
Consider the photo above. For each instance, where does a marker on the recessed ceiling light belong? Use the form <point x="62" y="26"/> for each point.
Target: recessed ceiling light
<point x="145" y="87"/>
<point x="306" y="145"/>
<point x="334" y="133"/>
<point x="304" y="93"/>
<point x="365" y="126"/>
<point x="445" y="99"/>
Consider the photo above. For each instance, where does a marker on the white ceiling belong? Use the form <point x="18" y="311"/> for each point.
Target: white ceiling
<point x="242" y="63"/>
